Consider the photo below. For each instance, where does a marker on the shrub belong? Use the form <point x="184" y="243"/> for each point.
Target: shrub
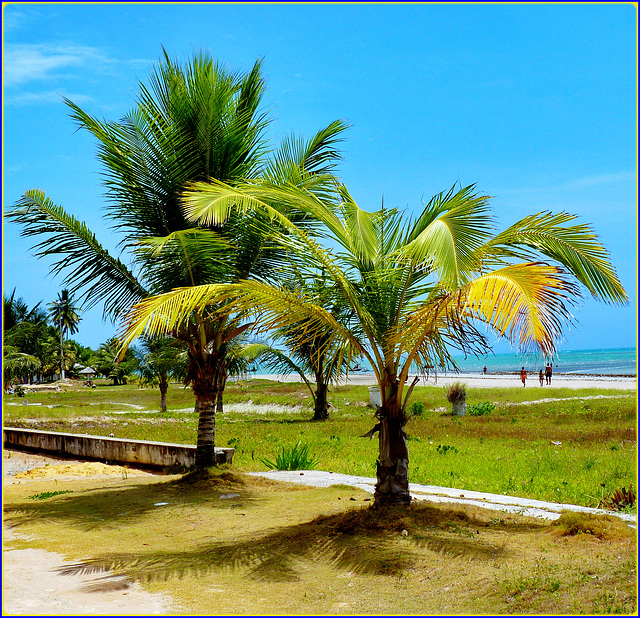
<point x="417" y="408"/>
<point x="50" y="494"/>
<point x="443" y="449"/>
<point x="618" y="500"/>
<point x="296" y="458"/>
<point x="456" y="392"/>
<point x="480" y="408"/>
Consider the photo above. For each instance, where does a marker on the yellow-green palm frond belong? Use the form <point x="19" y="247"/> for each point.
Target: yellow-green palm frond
<point x="359" y="232"/>
<point x="574" y="246"/>
<point x="271" y="307"/>
<point x="211" y="203"/>
<point x="525" y="302"/>
<point x="448" y="234"/>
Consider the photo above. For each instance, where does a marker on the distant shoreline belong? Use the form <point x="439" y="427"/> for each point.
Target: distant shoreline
<point x="488" y="380"/>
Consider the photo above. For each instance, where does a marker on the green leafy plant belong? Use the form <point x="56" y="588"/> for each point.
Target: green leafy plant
<point x="295" y="458"/>
<point x="619" y="500"/>
<point x="417" y="408"/>
<point x="443" y="449"/>
<point x="49" y="494"/>
<point x="480" y="408"/>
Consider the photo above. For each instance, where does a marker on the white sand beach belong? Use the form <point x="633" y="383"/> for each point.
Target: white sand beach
<point x="494" y="381"/>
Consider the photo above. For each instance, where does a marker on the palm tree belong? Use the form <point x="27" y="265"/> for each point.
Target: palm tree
<point x="315" y="355"/>
<point x="192" y="123"/>
<point x="16" y="311"/>
<point x="417" y="286"/>
<point x="159" y="360"/>
<point x="65" y="315"/>
<point x="17" y="365"/>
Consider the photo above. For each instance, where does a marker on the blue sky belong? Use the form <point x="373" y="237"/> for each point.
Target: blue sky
<point x="534" y="103"/>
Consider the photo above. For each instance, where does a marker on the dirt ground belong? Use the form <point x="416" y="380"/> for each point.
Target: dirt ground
<point x="31" y="583"/>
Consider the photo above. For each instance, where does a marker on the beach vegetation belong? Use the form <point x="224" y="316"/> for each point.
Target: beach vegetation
<point x="494" y="455"/>
<point x="190" y="123"/>
<point x="419" y="287"/>
<point x="295" y="458"/>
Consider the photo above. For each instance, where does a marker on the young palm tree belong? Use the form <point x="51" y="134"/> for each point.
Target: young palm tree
<point x="192" y="123"/>
<point x="159" y="360"/>
<point x="418" y="287"/>
<point x="63" y="313"/>
<point x="316" y="356"/>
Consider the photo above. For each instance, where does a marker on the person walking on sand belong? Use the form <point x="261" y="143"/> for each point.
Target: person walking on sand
<point x="547" y="372"/>
<point x="523" y="376"/>
<point x="484" y="370"/>
<point x="541" y="376"/>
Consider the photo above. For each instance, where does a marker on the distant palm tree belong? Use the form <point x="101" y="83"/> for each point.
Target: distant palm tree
<point x="159" y="360"/>
<point x="65" y="315"/>
<point x="16" y="364"/>
<point x="317" y="355"/>
<point x="418" y="287"/>
<point x="16" y="311"/>
<point x="193" y="123"/>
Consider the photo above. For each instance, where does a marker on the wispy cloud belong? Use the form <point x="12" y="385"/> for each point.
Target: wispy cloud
<point x="600" y="179"/>
<point x="585" y="182"/>
<point x="44" y="98"/>
<point x="24" y="63"/>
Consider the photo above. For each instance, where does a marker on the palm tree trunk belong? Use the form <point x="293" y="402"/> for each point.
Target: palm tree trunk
<point x="207" y="387"/>
<point x="392" y="467"/>
<point x="206" y="444"/>
<point x="164" y="387"/>
<point x="321" y="404"/>
<point x="62" y="375"/>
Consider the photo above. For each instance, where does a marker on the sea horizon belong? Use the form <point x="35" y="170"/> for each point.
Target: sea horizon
<point x="606" y="362"/>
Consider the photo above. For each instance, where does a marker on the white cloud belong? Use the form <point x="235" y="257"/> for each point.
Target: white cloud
<point x="27" y="63"/>
<point x="600" y="179"/>
<point x="44" y="98"/>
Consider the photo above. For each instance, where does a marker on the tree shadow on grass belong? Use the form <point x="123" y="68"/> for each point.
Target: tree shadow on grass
<point x="359" y="540"/>
<point x="120" y="504"/>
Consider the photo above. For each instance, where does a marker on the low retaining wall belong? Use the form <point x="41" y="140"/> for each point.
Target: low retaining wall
<point x="120" y="450"/>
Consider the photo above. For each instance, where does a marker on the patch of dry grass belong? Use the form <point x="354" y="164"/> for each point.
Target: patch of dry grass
<point x="226" y="543"/>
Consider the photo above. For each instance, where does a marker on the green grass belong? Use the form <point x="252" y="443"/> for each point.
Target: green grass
<point x="576" y="450"/>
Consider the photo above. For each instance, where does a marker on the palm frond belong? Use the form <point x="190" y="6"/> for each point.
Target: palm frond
<point x="574" y="246"/>
<point x="448" y="234"/>
<point x="88" y="268"/>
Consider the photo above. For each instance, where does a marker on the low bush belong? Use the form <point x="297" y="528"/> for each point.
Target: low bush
<point x="480" y="408"/>
<point x="296" y="458"/>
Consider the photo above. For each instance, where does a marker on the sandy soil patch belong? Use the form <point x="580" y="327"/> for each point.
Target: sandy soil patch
<point x="32" y="583"/>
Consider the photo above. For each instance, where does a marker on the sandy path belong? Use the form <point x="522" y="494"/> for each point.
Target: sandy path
<point x="32" y="585"/>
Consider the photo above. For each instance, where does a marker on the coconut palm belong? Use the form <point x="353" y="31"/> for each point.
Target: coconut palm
<point x="159" y="360"/>
<point x="316" y="356"/>
<point x="63" y="313"/>
<point x="17" y="365"/>
<point x="192" y="123"/>
<point x="419" y="287"/>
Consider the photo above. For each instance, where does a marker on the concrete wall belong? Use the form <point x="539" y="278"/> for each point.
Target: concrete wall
<point x="118" y="450"/>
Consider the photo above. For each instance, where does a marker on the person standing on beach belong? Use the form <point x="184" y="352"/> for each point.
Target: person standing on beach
<point x="484" y="370"/>
<point x="548" y="372"/>
<point x="523" y="376"/>
<point x="541" y="376"/>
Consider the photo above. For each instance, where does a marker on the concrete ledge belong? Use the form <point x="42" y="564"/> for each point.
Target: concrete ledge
<point x="137" y="452"/>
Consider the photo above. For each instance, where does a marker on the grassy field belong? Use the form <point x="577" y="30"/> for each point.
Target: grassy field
<point x="575" y="446"/>
<point x="229" y="544"/>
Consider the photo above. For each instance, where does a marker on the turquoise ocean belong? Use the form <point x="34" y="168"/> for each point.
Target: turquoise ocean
<point x="601" y="362"/>
<point x="604" y="362"/>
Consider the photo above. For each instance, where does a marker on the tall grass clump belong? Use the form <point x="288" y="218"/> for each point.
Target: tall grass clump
<point x="295" y="458"/>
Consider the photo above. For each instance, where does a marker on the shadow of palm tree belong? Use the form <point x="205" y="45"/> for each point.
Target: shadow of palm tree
<point x="125" y="503"/>
<point x="360" y="540"/>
